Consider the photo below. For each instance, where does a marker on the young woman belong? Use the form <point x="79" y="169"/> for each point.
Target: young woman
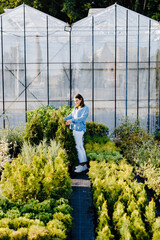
<point x="77" y="122"/>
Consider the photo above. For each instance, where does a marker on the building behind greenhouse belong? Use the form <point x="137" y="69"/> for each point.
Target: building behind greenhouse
<point x="111" y="57"/>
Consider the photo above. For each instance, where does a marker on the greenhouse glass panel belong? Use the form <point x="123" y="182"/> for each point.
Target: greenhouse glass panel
<point x="14" y="113"/>
<point x="82" y="55"/>
<point x="59" y="83"/>
<point x="59" y="68"/>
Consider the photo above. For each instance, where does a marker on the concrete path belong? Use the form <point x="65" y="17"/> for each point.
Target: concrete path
<point x="83" y="211"/>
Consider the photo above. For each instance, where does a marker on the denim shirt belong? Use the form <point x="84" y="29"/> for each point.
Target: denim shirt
<point x="78" y="117"/>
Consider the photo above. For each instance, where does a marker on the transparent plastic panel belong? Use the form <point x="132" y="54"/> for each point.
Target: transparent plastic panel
<point x="104" y="75"/>
<point x="155" y="40"/>
<point x="15" y="113"/>
<point x="35" y="21"/>
<point x="143" y="113"/>
<point x="35" y="104"/>
<point x="143" y="81"/>
<point x="58" y="41"/>
<point x="121" y="34"/>
<point x="132" y="82"/>
<point x="132" y="36"/>
<point x="153" y="116"/>
<point x="59" y="82"/>
<point x="1" y="82"/>
<point x="105" y="113"/>
<point x="0" y="43"/>
<point x="132" y="92"/>
<point x="36" y="48"/>
<point x="104" y="36"/>
<point x="81" y="44"/>
<point x="36" y="82"/>
<point x="36" y="35"/>
<point x="121" y="81"/>
<point x="82" y="80"/>
<point x="132" y="110"/>
<point x="144" y="40"/>
<point x="13" y="32"/>
<point x="14" y="82"/>
<point x="120" y="111"/>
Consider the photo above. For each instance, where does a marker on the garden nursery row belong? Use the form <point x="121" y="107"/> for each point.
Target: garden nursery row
<point x="36" y="162"/>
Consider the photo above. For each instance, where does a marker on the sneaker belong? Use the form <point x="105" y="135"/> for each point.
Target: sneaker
<point x="81" y="168"/>
<point x="77" y="166"/>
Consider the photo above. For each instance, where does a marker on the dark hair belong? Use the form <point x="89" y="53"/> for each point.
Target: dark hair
<point x="79" y="96"/>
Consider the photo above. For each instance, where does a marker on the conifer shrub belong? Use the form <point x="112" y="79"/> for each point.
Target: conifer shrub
<point x="14" y="139"/>
<point x="40" y="178"/>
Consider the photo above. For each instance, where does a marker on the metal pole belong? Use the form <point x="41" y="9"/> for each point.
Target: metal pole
<point x="149" y="63"/>
<point x="2" y="72"/>
<point x="138" y="69"/>
<point x="47" y="63"/>
<point x="70" y="66"/>
<point x="126" y="61"/>
<point x="25" y="69"/>
<point x="93" y="68"/>
<point x="115" y="65"/>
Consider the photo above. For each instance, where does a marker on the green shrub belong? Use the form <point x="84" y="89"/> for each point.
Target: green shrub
<point x="56" y="229"/>
<point x="14" y="138"/>
<point x="65" y="218"/>
<point x="39" y="179"/>
<point x="96" y="129"/>
<point x="66" y="139"/>
<point x="38" y="233"/>
<point x="20" y="234"/>
<point x="4" y="233"/>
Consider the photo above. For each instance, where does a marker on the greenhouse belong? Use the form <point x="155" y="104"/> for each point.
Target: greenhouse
<point x="112" y="57"/>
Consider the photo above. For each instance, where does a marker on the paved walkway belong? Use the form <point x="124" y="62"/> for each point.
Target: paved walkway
<point x="83" y="211"/>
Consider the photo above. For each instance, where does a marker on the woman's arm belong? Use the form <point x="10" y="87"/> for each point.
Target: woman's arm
<point x="68" y="117"/>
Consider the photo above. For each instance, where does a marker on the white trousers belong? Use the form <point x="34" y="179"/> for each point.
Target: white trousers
<point x="78" y="136"/>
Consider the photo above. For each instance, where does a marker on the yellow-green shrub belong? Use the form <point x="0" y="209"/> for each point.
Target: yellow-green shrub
<point x="20" y="234"/>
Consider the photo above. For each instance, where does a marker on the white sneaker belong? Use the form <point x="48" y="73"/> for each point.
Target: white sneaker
<point x="81" y="168"/>
<point x="77" y="166"/>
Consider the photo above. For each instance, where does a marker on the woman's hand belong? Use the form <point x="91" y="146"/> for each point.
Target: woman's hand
<point x="68" y="122"/>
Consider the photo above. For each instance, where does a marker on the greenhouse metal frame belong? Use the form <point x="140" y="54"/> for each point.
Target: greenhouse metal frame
<point x="111" y="57"/>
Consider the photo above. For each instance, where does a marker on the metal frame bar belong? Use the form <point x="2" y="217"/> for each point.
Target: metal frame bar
<point x="115" y="123"/>
<point x="138" y="68"/>
<point x="149" y="67"/>
<point x="25" y="66"/>
<point x="126" y="62"/>
<point x="93" y="68"/>
<point x="47" y="62"/>
<point x="2" y="73"/>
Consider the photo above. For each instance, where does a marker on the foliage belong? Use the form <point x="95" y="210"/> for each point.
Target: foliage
<point x="4" y="156"/>
<point x="72" y="11"/>
<point x="65" y="137"/>
<point x="40" y="178"/>
<point x="121" y="203"/>
<point x="48" y="123"/>
<point x="142" y="151"/>
<point x="94" y="129"/>
<point x="14" y="138"/>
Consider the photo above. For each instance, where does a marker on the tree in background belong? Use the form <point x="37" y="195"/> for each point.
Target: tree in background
<point x="74" y="10"/>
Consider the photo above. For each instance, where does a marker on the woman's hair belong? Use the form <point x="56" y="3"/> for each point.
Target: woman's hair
<point x="79" y="96"/>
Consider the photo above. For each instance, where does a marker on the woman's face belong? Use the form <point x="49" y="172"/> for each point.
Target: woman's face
<point x="77" y="102"/>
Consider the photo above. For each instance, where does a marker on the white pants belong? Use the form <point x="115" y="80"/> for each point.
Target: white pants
<point x="78" y="136"/>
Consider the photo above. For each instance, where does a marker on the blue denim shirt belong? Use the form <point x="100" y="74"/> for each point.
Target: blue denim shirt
<point x="78" y="117"/>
